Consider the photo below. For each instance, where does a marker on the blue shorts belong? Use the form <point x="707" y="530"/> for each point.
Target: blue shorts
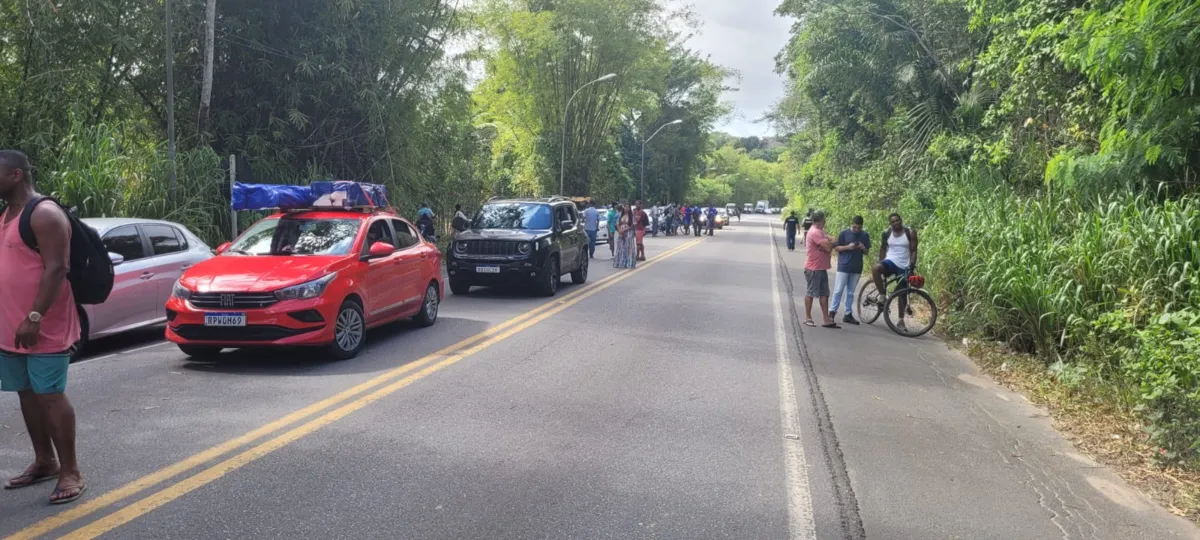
<point x="42" y="373"/>
<point x="891" y="268"/>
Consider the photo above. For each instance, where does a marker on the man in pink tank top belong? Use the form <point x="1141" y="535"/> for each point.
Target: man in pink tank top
<point x="38" y="326"/>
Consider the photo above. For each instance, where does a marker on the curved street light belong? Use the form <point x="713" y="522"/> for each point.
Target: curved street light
<point x="562" y="165"/>
<point x="642" y="188"/>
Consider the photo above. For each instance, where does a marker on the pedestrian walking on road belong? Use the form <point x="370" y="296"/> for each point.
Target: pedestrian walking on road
<point x="696" y="213"/>
<point x="851" y="245"/>
<point x="790" y="226"/>
<point x="614" y="212"/>
<point x="626" y="252"/>
<point x="641" y="221"/>
<point x="816" y="270"/>
<point x="687" y="219"/>
<point x="38" y="327"/>
<point x="808" y="221"/>
<point x="712" y="219"/>
<point x="591" y="225"/>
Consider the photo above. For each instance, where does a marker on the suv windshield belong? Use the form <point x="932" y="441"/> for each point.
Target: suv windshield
<point x="513" y="216"/>
<point x="298" y="236"/>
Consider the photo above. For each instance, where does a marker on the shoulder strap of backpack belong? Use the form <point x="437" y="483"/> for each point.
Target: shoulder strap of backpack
<point x="23" y="224"/>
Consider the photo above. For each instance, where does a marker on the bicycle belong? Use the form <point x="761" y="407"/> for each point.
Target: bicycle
<point x="918" y="314"/>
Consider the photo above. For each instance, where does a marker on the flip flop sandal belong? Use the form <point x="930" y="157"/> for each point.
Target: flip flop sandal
<point x="65" y="500"/>
<point x="34" y="479"/>
<point x="810" y="323"/>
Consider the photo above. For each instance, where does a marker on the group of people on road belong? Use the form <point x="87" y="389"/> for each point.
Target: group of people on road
<point x="897" y="256"/>
<point x="629" y="222"/>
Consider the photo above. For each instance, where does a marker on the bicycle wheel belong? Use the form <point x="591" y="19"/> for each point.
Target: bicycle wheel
<point x="918" y="317"/>
<point x="867" y="302"/>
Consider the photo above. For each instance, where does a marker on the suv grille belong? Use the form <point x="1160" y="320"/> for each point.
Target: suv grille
<point x="233" y="300"/>
<point x="491" y="247"/>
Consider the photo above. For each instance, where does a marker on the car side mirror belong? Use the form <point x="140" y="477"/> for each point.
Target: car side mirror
<point x="567" y="225"/>
<point x="221" y="248"/>
<point x="379" y="250"/>
<point x="116" y="258"/>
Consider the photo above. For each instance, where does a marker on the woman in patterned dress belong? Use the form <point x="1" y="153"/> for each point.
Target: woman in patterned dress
<point x="626" y="256"/>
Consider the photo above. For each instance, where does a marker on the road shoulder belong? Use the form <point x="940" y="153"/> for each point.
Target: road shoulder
<point x="935" y="448"/>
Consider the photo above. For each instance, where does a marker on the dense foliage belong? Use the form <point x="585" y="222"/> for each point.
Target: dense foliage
<point x="1049" y="151"/>
<point x="356" y="89"/>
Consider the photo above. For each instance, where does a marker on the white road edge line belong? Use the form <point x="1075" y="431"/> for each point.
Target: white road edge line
<point x="140" y="349"/>
<point x="800" y="510"/>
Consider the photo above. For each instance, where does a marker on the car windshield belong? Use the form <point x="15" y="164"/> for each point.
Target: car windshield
<point x="297" y="236"/>
<point x="513" y="216"/>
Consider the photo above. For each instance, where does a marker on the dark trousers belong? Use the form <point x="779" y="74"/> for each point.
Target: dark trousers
<point x="791" y="239"/>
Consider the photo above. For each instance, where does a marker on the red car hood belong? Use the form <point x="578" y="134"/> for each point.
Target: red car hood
<point x="236" y="273"/>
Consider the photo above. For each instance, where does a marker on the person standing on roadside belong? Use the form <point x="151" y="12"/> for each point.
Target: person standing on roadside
<point x="614" y="211"/>
<point x="816" y="270"/>
<point x="712" y="219"/>
<point x="851" y="245"/>
<point x="696" y="215"/>
<point x="808" y="221"/>
<point x="461" y="221"/>
<point x="641" y="222"/>
<point x="38" y="327"/>
<point x="591" y="225"/>
<point x="687" y="219"/>
<point x="790" y="226"/>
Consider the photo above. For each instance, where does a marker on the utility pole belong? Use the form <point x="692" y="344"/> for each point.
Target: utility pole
<point x="170" y="103"/>
<point x="210" y="37"/>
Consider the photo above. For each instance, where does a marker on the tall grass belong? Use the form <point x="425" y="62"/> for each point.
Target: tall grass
<point x="1110" y="285"/>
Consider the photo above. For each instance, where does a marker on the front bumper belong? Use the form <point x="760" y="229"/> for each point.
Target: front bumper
<point x="466" y="270"/>
<point x="286" y="324"/>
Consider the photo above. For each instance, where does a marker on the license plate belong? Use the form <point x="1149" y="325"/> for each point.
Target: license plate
<point x="487" y="269"/>
<point x="224" y="319"/>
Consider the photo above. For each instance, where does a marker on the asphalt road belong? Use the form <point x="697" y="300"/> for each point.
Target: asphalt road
<point x="680" y="400"/>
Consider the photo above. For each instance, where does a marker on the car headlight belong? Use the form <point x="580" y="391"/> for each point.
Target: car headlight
<point x="460" y="247"/>
<point x="305" y="291"/>
<point x="180" y="292"/>
<point x="524" y="248"/>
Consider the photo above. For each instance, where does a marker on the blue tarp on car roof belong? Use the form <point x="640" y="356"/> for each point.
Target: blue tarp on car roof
<point x="269" y="196"/>
<point x="330" y="194"/>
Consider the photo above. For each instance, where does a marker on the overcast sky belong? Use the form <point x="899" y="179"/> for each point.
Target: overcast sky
<point x="744" y="35"/>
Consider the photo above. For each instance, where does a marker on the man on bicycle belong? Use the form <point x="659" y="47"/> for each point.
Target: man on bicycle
<point x="897" y="256"/>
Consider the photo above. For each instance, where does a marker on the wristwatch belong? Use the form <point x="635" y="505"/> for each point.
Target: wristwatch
<point x="35" y="317"/>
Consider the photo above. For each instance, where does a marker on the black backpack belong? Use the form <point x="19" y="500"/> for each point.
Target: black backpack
<point x="91" y="273"/>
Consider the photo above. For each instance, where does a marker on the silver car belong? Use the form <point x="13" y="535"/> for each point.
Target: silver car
<point x="148" y="256"/>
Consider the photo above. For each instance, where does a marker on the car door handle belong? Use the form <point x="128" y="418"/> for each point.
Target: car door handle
<point x="147" y="275"/>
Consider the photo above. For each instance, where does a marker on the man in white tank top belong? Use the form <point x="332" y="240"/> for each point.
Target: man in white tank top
<point x="897" y="255"/>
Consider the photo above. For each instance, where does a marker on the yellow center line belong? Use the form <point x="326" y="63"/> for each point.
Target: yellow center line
<point x="153" y="479"/>
<point x="177" y="490"/>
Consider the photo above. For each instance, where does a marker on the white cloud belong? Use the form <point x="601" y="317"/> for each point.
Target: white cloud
<point x="744" y="35"/>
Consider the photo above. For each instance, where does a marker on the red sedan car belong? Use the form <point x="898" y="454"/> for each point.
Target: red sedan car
<point x="307" y="278"/>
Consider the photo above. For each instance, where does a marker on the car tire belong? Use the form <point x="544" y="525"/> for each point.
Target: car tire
<point x="430" y="305"/>
<point x="349" y="331"/>
<point x="84" y="329"/>
<point x="459" y="287"/>
<point x="200" y="352"/>
<point x="548" y="286"/>
<point x="579" y="277"/>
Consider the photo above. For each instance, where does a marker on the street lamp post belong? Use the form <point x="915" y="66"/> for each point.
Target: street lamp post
<point x="562" y="165"/>
<point x="642" y="188"/>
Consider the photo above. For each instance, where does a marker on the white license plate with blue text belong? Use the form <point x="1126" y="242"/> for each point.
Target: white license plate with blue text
<point x="224" y="319"/>
<point x="487" y="269"/>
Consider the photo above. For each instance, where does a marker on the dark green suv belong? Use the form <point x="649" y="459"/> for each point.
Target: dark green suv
<point x="520" y="242"/>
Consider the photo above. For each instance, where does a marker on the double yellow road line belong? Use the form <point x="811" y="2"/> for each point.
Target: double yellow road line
<point x="346" y="402"/>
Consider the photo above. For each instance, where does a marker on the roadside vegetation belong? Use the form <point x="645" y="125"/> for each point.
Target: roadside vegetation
<point x="440" y="101"/>
<point x="1049" y="152"/>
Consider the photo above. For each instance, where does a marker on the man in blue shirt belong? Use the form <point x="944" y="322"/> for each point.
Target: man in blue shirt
<point x="851" y="244"/>
<point x="711" y="213"/>
<point x="591" y="225"/>
<point x="612" y="229"/>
